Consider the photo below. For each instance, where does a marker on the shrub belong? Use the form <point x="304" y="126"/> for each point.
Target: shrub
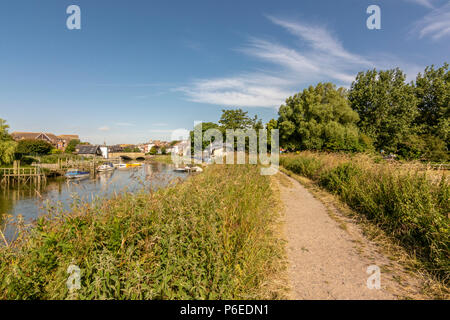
<point x="33" y="147"/>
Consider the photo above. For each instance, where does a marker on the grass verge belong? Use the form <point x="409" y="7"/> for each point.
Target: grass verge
<point x="409" y="203"/>
<point x="210" y="237"/>
<point x="164" y="158"/>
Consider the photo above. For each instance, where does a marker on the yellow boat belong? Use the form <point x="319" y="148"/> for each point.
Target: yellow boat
<point x="133" y="165"/>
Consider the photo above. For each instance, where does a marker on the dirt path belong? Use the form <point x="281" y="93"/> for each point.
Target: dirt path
<point x="325" y="257"/>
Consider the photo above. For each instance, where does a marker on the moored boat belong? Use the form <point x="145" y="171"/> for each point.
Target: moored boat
<point x="130" y="165"/>
<point x="76" y="174"/>
<point x="106" y="167"/>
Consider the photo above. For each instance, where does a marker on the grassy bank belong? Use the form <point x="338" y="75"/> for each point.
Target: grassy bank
<point x="164" y="158"/>
<point x="209" y="237"/>
<point x="407" y="201"/>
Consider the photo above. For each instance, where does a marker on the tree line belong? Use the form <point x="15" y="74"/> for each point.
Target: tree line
<point x="380" y="112"/>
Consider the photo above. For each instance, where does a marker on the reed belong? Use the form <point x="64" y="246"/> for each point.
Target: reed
<point x="210" y="237"/>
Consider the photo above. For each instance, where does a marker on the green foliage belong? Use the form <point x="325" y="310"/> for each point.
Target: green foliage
<point x="319" y="118"/>
<point x="409" y="204"/>
<point x="433" y="92"/>
<point x="71" y="145"/>
<point x="56" y="151"/>
<point x="238" y="119"/>
<point x="7" y="144"/>
<point x="33" y="147"/>
<point x="177" y="243"/>
<point x="199" y="130"/>
<point x="28" y="160"/>
<point x="386" y="105"/>
<point x="4" y="135"/>
<point x="7" y="151"/>
<point x="153" y="151"/>
<point x="53" y="158"/>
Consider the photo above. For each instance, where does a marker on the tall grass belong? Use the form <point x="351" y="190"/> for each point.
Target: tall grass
<point x="209" y="237"/>
<point x="408" y="201"/>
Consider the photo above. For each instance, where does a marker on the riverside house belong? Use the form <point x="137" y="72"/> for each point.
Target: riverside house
<point x="59" y="142"/>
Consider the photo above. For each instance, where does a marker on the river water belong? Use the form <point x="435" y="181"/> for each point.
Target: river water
<point x="30" y="204"/>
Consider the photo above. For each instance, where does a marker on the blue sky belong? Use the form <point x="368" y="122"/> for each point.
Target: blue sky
<point x="138" y="69"/>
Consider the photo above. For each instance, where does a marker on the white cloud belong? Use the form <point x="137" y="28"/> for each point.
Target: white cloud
<point x="104" y="128"/>
<point x="124" y="124"/>
<point x="324" y="59"/>
<point x="316" y="55"/>
<point x="436" y="24"/>
<point x="252" y="90"/>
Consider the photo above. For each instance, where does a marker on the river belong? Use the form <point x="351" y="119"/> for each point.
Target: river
<point x="30" y="204"/>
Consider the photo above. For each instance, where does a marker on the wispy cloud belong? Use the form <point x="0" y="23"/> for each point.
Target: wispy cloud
<point x="324" y="59"/>
<point x="124" y="124"/>
<point x="252" y="90"/>
<point x="159" y="124"/>
<point x="436" y="24"/>
<point x="425" y="3"/>
<point x="104" y="128"/>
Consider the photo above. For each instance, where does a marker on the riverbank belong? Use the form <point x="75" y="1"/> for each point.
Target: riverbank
<point x="408" y="202"/>
<point x="164" y="158"/>
<point x="210" y="237"/>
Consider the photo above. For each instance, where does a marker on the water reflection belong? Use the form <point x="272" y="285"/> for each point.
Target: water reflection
<point x="30" y="203"/>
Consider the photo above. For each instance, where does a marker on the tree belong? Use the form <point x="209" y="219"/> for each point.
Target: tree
<point x="4" y="135"/>
<point x="29" y="146"/>
<point x="200" y="130"/>
<point x="7" y="150"/>
<point x="272" y="124"/>
<point x="386" y="106"/>
<point x="153" y="150"/>
<point x="319" y="118"/>
<point x="7" y="144"/>
<point x="72" y="145"/>
<point x="433" y="93"/>
<point x="238" y="119"/>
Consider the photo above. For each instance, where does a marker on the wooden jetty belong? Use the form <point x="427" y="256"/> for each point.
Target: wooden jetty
<point x="17" y="176"/>
<point x="38" y="173"/>
<point x="61" y="167"/>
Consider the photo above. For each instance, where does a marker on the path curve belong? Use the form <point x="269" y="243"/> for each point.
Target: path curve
<point x="323" y="260"/>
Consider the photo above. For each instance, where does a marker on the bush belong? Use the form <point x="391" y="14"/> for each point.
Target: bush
<point x="33" y="147"/>
<point x="27" y="160"/>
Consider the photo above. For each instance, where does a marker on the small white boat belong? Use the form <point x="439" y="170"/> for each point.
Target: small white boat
<point x="106" y="167"/>
<point x="197" y="169"/>
<point x="121" y="166"/>
<point x="181" y="169"/>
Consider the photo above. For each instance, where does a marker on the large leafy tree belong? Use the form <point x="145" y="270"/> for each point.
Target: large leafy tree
<point x="387" y="107"/>
<point x="31" y="147"/>
<point x="433" y="93"/>
<point x="7" y="144"/>
<point x="319" y="118"/>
